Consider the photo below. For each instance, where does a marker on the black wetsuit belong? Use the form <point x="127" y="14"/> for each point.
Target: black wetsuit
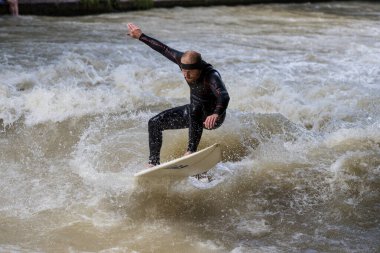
<point x="208" y="95"/>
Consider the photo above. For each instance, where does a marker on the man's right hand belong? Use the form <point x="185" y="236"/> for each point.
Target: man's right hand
<point x="134" y="31"/>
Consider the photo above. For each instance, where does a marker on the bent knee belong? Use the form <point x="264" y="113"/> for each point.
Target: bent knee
<point x="153" y="122"/>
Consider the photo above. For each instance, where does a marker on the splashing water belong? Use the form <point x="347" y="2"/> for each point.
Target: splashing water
<point x="301" y="142"/>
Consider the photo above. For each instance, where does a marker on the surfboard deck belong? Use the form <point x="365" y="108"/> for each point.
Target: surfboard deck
<point x="190" y="165"/>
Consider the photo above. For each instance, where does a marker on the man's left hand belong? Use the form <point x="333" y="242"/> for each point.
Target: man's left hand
<point x="134" y="31"/>
<point x="210" y="121"/>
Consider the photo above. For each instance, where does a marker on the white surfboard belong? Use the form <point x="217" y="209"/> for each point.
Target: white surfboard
<point x="186" y="166"/>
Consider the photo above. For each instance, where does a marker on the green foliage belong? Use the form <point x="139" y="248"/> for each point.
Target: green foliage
<point x="89" y="3"/>
<point x="95" y="4"/>
<point x="100" y="4"/>
<point x="143" y="4"/>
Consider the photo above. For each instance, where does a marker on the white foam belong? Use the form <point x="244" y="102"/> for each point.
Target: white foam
<point x="254" y="227"/>
<point x="354" y="138"/>
<point x="209" y="246"/>
<point x="57" y="104"/>
<point x="256" y="249"/>
<point x="17" y="249"/>
<point x="94" y="153"/>
<point x="76" y="86"/>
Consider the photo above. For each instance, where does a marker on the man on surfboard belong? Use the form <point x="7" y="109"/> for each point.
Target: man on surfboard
<point x="208" y="97"/>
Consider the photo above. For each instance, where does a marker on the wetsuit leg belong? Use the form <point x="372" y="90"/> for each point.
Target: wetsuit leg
<point x="175" y="118"/>
<point x="197" y="116"/>
<point x="189" y="116"/>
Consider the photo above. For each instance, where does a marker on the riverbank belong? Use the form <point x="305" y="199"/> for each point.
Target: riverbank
<point x="83" y="7"/>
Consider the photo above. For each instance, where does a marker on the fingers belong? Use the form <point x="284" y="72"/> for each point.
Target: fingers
<point x="206" y="123"/>
<point x="134" y="31"/>
<point x="132" y="27"/>
<point x="210" y="121"/>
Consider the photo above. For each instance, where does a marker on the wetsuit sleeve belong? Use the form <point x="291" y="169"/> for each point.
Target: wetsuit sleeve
<point x="219" y="90"/>
<point x="170" y="53"/>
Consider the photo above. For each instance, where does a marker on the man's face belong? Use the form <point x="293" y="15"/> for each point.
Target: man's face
<point x="191" y="75"/>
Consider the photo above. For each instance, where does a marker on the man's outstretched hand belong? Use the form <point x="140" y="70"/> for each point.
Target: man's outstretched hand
<point x="134" y="31"/>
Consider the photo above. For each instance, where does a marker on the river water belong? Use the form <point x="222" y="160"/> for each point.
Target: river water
<point x="301" y="141"/>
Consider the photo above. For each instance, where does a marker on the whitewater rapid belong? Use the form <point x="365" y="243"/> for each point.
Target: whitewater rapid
<point x="301" y="141"/>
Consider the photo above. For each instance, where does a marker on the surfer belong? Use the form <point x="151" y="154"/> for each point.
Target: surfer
<point x="208" y="98"/>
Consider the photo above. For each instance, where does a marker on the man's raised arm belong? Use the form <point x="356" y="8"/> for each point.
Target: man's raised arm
<point x="171" y="54"/>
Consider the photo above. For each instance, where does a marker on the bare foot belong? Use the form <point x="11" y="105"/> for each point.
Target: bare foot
<point x="188" y="153"/>
<point x="149" y="165"/>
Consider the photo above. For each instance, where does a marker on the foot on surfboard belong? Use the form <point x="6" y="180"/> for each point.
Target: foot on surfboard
<point x="149" y="165"/>
<point x="185" y="166"/>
